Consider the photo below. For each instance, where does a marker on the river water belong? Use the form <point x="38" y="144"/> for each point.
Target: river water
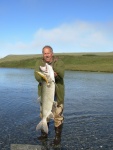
<point x="88" y="110"/>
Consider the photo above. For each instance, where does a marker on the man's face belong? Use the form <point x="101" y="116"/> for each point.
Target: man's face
<point x="47" y="55"/>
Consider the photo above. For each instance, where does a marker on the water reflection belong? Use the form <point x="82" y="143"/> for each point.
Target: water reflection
<point x="88" y="110"/>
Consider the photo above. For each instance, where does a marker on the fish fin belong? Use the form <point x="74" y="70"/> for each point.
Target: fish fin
<point x="51" y="116"/>
<point x="39" y="99"/>
<point x="54" y="107"/>
<point x="42" y="75"/>
<point x="55" y="104"/>
<point x="42" y="126"/>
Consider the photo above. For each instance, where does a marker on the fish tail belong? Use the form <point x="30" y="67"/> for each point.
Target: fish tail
<point x="42" y="126"/>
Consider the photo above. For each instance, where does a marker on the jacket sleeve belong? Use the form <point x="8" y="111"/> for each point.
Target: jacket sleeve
<point x="59" y="68"/>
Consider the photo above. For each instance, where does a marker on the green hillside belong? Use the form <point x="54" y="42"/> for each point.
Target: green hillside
<point x="102" y="62"/>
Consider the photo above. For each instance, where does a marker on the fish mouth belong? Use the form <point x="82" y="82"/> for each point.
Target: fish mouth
<point x="43" y="76"/>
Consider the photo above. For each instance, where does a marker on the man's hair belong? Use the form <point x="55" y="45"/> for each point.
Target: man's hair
<point x="47" y="46"/>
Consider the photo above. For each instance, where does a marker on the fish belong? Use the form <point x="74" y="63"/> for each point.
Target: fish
<point x="47" y="96"/>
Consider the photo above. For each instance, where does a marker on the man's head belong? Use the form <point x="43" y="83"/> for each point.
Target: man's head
<point x="47" y="52"/>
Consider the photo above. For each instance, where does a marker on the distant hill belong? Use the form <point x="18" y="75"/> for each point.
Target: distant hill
<point x="18" y="57"/>
<point x="30" y="56"/>
<point x="99" y="62"/>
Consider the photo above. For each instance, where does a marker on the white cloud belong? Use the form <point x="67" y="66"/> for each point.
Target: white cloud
<point x="77" y="36"/>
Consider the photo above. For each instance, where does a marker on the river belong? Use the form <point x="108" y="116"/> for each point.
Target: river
<point x="88" y="110"/>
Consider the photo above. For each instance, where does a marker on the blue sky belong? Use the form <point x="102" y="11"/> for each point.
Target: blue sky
<point x="66" y="25"/>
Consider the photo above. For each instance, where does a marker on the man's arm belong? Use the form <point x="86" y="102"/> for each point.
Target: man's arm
<point x="59" y="69"/>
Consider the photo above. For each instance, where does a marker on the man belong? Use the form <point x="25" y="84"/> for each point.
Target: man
<point x="58" y="67"/>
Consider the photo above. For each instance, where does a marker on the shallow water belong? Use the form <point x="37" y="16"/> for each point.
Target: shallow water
<point x="88" y="110"/>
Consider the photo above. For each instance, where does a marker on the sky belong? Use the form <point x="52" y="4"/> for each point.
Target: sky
<point x="26" y="26"/>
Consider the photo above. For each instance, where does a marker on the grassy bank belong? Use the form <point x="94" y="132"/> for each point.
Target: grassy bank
<point x="102" y="62"/>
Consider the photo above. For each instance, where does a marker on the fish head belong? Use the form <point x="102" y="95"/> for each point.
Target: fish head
<point x="43" y="69"/>
<point x="48" y="71"/>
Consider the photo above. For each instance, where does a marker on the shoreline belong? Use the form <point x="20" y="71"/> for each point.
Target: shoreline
<point x="91" y="62"/>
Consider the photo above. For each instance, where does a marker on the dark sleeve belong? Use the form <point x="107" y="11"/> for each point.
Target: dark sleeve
<point x="59" y="68"/>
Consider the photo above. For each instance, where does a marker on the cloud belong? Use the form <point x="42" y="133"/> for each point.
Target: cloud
<point x="78" y="36"/>
<point x="84" y="35"/>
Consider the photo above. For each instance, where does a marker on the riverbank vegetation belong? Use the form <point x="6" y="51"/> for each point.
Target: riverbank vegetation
<point x="99" y="62"/>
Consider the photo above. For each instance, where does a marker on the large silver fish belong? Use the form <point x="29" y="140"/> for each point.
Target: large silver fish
<point x="47" y="96"/>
